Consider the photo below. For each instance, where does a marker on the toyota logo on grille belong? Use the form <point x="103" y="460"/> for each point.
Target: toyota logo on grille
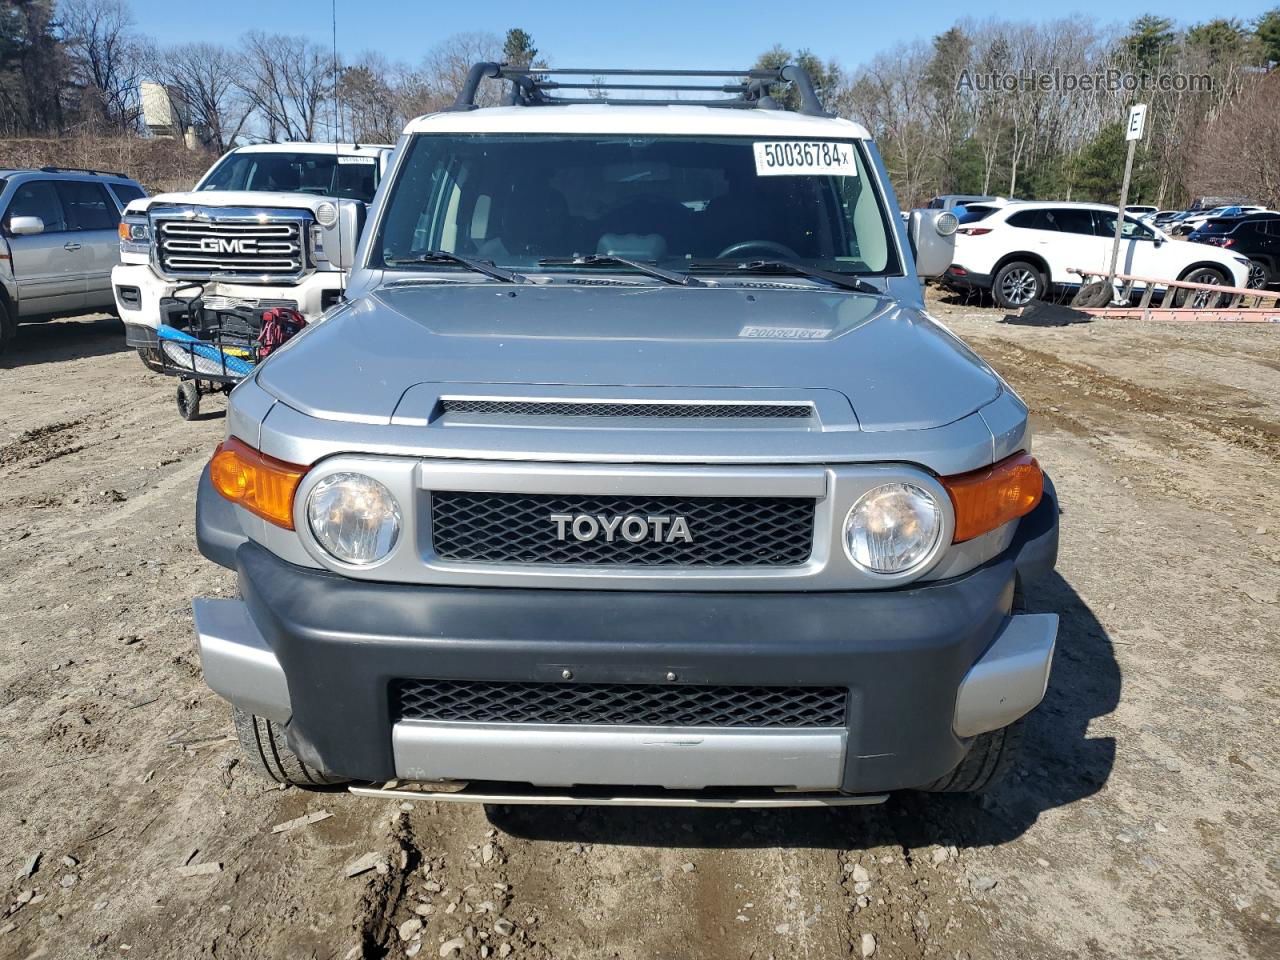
<point x="228" y="245"/>
<point x="631" y="527"/>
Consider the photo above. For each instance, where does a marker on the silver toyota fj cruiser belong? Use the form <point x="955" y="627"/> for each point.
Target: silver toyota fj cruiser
<point x="631" y="469"/>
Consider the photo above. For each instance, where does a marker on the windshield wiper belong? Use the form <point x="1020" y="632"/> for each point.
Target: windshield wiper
<point x="788" y="267"/>
<point x="479" y="266"/>
<point x="606" y="260"/>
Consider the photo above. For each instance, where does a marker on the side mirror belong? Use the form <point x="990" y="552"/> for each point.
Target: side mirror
<point x="342" y="236"/>
<point x="932" y="234"/>
<point x="25" y="226"/>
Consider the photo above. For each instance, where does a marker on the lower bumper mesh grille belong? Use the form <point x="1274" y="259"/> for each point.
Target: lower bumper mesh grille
<point x="677" y="705"/>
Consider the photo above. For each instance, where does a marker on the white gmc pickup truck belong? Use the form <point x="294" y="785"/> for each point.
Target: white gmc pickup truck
<point x="270" y="225"/>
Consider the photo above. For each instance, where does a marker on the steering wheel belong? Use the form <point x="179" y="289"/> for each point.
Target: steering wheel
<point x="778" y="249"/>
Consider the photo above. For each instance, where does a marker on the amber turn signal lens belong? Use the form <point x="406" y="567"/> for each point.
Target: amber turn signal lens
<point x="988" y="498"/>
<point x="261" y="484"/>
<point x="123" y="230"/>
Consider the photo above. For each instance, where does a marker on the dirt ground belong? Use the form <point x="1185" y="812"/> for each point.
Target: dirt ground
<point x="1143" y="822"/>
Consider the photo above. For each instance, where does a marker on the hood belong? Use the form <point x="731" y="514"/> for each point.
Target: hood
<point x="898" y="368"/>
<point x="238" y="198"/>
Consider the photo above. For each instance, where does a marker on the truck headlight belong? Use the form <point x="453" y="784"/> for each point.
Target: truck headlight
<point x="354" y="517"/>
<point x="892" y="528"/>
<point x="135" y="235"/>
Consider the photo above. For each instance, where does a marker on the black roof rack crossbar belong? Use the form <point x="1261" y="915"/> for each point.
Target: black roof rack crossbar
<point x="531" y="86"/>
<point x="96" y="173"/>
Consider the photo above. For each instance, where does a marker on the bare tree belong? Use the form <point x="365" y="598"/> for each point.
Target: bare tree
<point x="289" y="81"/>
<point x="370" y="102"/>
<point x="204" y="78"/>
<point x="104" y="57"/>
<point x="1239" y="150"/>
<point x="890" y="95"/>
<point x="445" y="67"/>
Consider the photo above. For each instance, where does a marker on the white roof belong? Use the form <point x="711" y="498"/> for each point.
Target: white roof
<point x="674" y="119"/>
<point x="1012" y="206"/>
<point x="358" y="149"/>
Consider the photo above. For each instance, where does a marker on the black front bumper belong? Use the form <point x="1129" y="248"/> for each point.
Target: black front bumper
<point x="901" y="653"/>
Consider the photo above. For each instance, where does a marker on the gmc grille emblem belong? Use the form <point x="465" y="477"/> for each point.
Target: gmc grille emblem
<point x="631" y="527"/>
<point x="228" y="245"/>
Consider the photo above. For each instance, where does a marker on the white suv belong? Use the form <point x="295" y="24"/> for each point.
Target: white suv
<point x="1019" y="251"/>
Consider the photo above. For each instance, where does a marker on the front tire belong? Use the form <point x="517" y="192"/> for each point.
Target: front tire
<point x="150" y="358"/>
<point x="263" y="744"/>
<point x="988" y="760"/>
<point x="8" y="328"/>
<point x="1203" y="299"/>
<point x="1016" y="284"/>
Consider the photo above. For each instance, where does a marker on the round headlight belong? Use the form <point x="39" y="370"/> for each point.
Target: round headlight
<point x="892" y="528"/>
<point x="326" y="214"/>
<point x="354" y="517"/>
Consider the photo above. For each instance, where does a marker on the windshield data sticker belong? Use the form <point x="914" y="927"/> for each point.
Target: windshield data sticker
<point x="799" y="158"/>
<point x="356" y="160"/>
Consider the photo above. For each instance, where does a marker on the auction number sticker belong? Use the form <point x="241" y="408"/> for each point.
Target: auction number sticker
<point x="792" y="158"/>
<point x="356" y="160"/>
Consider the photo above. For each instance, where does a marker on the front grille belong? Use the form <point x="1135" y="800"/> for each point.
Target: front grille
<point x="200" y="248"/>
<point x="606" y="408"/>
<point x="611" y="704"/>
<point x="722" y="531"/>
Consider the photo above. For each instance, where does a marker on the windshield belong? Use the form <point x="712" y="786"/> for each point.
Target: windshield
<point x="521" y="199"/>
<point x="322" y="174"/>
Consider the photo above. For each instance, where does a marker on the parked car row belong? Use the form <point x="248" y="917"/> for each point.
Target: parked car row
<point x="1025" y="250"/>
<point x="268" y="226"/>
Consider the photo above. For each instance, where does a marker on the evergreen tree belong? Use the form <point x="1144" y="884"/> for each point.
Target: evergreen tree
<point x="1267" y="30"/>
<point x="1149" y="40"/>
<point x="518" y="49"/>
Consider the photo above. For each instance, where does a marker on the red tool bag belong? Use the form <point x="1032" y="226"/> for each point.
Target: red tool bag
<point x="278" y="325"/>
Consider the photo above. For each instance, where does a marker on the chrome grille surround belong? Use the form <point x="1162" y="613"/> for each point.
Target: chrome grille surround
<point x="831" y="491"/>
<point x="249" y="245"/>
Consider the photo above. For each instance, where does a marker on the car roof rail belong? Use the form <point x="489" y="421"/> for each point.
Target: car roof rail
<point x="537" y="86"/>
<point x="96" y="173"/>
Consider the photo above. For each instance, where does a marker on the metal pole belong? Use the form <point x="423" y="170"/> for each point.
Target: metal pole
<point x="1124" y="196"/>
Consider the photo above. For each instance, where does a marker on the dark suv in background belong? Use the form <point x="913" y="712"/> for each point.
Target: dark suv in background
<point x="1256" y="237"/>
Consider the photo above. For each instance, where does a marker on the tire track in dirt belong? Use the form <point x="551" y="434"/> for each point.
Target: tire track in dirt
<point x="1111" y="395"/>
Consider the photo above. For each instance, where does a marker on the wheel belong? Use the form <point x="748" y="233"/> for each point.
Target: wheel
<point x="150" y="358"/>
<point x="7" y="327"/>
<point x="1259" y="276"/>
<point x="988" y="759"/>
<point x="264" y="746"/>
<point x="1016" y="284"/>
<point x="1096" y="294"/>
<point x="188" y="400"/>
<point x="1203" y="299"/>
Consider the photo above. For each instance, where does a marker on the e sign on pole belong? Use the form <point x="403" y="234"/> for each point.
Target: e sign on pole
<point x="1133" y="132"/>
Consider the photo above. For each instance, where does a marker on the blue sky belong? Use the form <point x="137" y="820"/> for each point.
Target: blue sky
<point x="656" y="33"/>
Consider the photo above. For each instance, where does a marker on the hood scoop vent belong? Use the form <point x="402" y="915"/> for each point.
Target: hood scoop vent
<point x="514" y="407"/>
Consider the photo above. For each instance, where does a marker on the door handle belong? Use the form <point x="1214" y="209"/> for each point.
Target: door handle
<point x="71" y="245"/>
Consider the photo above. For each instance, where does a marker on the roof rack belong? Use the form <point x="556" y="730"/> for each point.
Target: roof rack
<point x="533" y="87"/>
<point x="96" y="173"/>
